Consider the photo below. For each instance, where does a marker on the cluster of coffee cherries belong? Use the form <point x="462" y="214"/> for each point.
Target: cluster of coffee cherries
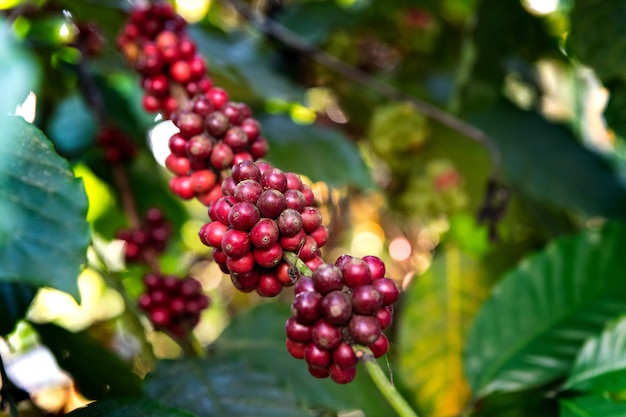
<point x="151" y="236"/>
<point x="214" y="132"/>
<point x="338" y="308"/>
<point x="116" y="145"/>
<point x="173" y="304"/>
<point x="264" y="213"/>
<point x="214" y="135"/>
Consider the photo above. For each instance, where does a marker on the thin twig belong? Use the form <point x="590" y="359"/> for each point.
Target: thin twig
<point x="293" y="40"/>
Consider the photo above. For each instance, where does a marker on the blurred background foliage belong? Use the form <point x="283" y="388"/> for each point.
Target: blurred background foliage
<point x="544" y="79"/>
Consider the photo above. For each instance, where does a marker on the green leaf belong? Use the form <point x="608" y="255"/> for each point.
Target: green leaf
<point x="128" y="408"/>
<point x="240" y="59"/>
<point x="257" y="336"/>
<point x="43" y="231"/>
<point x="19" y="72"/>
<point x="595" y="406"/>
<point x="615" y="110"/>
<point x="314" y="20"/>
<point x="531" y="327"/>
<point x="302" y="148"/>
<point x="546" y="163"/>
<point x="72" y="127"/>
<point x="15" y="299"/>
<point x="209" y="387"/>
<point x="437" y="313"/>
<point x="601" y="364"/>
<point x="597" y="36"/>
<point x="97" y="372"/>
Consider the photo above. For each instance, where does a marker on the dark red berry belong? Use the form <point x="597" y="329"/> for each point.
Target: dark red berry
<point x="264" y="233"/>
<point x="295" y="349"/>
<point x="246" y="170"/>
<point x="380" y="346"/>
<point x="337" y="308"/>
<point x="248" y="190"/>
<point x="289" y="222"/>
<point x="271" y="203"/>
<point x="344" y="356"/>
<point x="341" y="375"/>
<point x="268" y="257"/>
<point x="376" y="266"/>
<point x="235" y="243"/>
<point x="325" y="335"/>
<point x="316" y="357"/>
<point x="388" y="289"/>
<point x="327" y="278"/>
<point x="307" y="307"/>
<point x="243" y="215"/>
<point x="366" y="300"/>
<point x="269" y="285"/>
<point x="297" y="332"/>
<point x="364" y="329"/>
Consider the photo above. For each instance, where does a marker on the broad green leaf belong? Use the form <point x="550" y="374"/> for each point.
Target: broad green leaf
<point x="595" y="406"/>
<point x="530" y="329"/>
<point x="437" y="311"/>
<point x="15" y="299"/>
<point x="72" y="126"/>
<point x="601" y="363"/>
<point x="597" y="36"/>
<point x="546" y="163"/>
<point x="19" y="72"/>
<point x="128" y="408"/>
<point x="97" y="372"/>
<point x="43" y="231"/>
<point x="321" y="153"/>
<point x="215" y="388"/>
<point x="533" y="402"/>
<point x="257" y="336"/>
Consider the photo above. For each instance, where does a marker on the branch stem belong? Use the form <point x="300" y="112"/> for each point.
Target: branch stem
<point x="296" y="42"/>
<point x="383" y="384"/>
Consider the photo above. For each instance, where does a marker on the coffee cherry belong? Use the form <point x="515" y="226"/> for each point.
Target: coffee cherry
<point x="297" y="332"/>
<point x="341" y="375"/>
<point x="243" y="215"/>
<point x="172" y="304"/>
<point x="364" y="329"/>
<point x="271" y="203"/>
<point x="325" y="335"/>
<point x="289" y="222"/>
<point x="307" y="307"/>
<point x="337" y="308"/>
<point x="317" y="357"/>
<point x="264" y="233"/>
<point x="327" y="278"/>
<point x="235" y="243"/>
<point x="366" y="300"/>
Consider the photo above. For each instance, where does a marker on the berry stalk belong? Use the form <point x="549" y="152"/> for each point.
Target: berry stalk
<point x="384" y="385"/>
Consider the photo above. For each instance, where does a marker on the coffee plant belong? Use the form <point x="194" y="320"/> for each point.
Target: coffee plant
<point x="312" y="208"/>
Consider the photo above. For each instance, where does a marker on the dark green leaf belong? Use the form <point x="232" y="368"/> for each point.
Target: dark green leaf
<point x="97" y="372"/>
<point x="321" y="153"/>
<point x="19" y="72"/>
<point x="72" y="127"/>
<point x="128" y="408"/>
<point x="314" y="20"/>
<point x="241" y="60"/>
<point x="591" y="407"/>
<point x="215" y="388"/>
<point x="597" y="36"/>
<point x="529" y="331"/>
<point x="601" y="364"/>
<point x="43" y="231"/>
<point x="258" y="337"/>
<point x="546" y="163"/>
<point x="15" y="299"/>
<point x="615" y="110"/>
